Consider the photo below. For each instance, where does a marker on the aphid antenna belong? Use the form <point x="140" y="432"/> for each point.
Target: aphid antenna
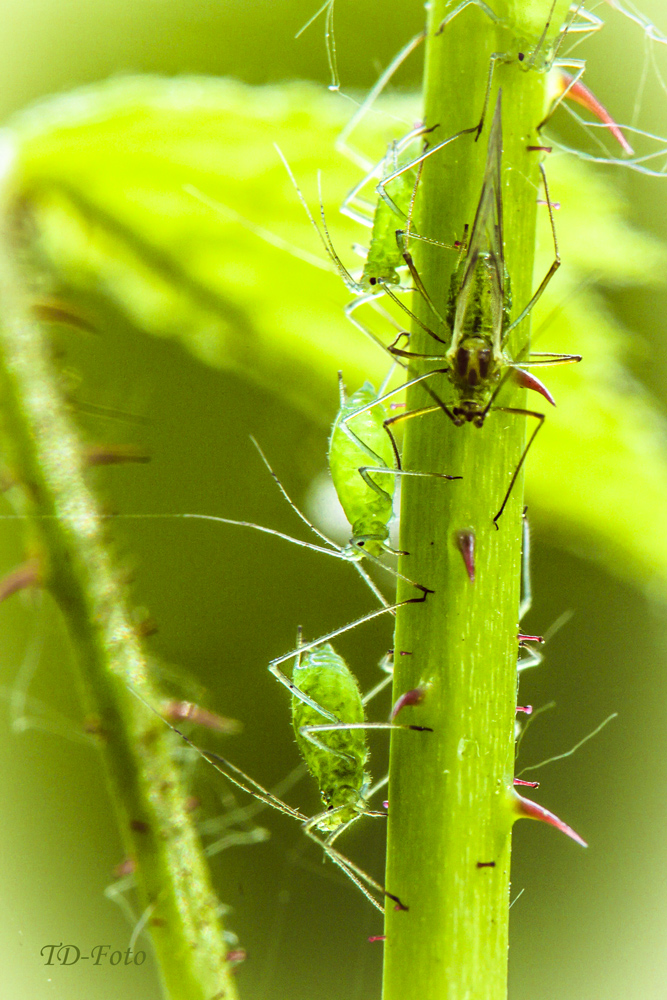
<point x="324" y="236"/>
<point x="344" y="554"/>
<point x="329" y="39"/>
<point x="230" y="214"/>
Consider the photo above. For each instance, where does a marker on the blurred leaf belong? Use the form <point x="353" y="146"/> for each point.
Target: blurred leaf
<point x="106" y="174"/>
<point x="599" y="474"/>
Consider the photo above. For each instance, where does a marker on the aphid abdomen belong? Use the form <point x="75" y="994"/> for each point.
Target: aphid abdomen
<point x="365" y="443"/>
<point x="338" y="763"/>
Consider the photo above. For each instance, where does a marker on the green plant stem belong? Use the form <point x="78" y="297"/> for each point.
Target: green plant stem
<point x="450" y="792"/>
<point x="137" y="747"/>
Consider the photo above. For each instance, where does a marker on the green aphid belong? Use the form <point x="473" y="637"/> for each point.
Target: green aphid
<point x="477" y="324"/>
<point x="335" y="757"/>
<point x="366" y="499"/>
<point x="385" y="255"/>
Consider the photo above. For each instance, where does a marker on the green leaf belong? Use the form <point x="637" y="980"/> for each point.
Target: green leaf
<point x="107" y="174"/>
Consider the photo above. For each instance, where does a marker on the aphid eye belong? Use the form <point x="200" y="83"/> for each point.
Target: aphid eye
<point x="462" y="360"/>
<point x="373" y="281"/>
<point x="521" y="56"/>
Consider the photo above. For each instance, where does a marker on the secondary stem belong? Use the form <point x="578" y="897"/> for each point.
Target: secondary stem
<point x="450" y="792"/>
<point x="145" y="782"/>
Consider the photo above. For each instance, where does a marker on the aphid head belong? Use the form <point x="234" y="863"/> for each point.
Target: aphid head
<point x="342" y="804"/>
<point x="368" y="538"/>
<point x="469" y="410"/>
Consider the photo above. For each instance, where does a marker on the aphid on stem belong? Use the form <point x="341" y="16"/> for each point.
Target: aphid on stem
<point x="477" y="322"/>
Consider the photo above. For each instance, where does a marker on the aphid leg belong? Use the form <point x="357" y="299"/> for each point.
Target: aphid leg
<point x="550" y="273"/>
<point x="341" y="144"/>
<point x="387" y="665"/>
<point x="361" y="879"/>
<point x="371" y="299"/>
<point x="398" y="471"/>
<point x="415" y="163"/>
<point x="429" y="301"/>
<point x="388" y="164"/>
<point x="461" y="7"/>
<point x="304" y="648"/>
<point x="540" y="417"/>
<point x="533" y="658"/>
<point x="526" y="602"/>
<point x="307" y="732"/>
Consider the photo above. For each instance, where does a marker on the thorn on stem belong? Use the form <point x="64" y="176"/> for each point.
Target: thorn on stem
<point x="114" y="454"/>
<point x="532" y="810"/>
<point x="465" y="543"/>
<point x="413" y="697"/>
<point x="529" y="381"/>
<point x="28" y="574"/>
<point x="180" y="711"/>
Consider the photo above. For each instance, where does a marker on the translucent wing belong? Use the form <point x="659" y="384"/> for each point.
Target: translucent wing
<point x="485" y="266"/>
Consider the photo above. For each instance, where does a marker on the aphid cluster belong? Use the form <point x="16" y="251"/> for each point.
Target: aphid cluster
<point x="471" y="356"/>
<point x="471" y="341"/>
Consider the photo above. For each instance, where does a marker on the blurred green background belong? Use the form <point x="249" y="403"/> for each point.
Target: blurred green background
<point x="589" y="924"/>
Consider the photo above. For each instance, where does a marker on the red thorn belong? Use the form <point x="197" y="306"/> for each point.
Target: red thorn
<point x="529" y="381"/>
<point x="413" y="697"/>
<point x="385" y="804"/>
<point x="405" y="652"/>
<point x="530" y="638"/>
<point x="528" y="784"/>
<point x="377" y="937"/>
<point x="587" y="99"/>
<point x="236" y="955"/>
<point x="179" y="711"/>
<point x="465" y="543"/>
<point x="54" y="311"/>
<point x="554" y="204"/>
<point x="539" y="149"/>
<point x="24" y="576"/>
<point x="114" y="454"/>
<point x="532" y="810"/>
<point x="127" y="867"/>
<point x="486" y="864"/>
<point x="526" y="709"/>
